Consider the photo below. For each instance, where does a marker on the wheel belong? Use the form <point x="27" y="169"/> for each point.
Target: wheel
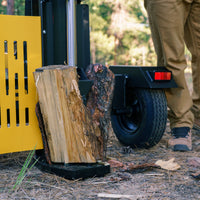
<point x="145" y="123"/>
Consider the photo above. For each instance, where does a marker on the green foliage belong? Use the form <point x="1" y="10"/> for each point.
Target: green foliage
<point x="104" y="45"/>
<point x="3" y="9"/>
<point x="120" y="33"/>
<point x="19" y="7"/>
<point x="97" y="23"/>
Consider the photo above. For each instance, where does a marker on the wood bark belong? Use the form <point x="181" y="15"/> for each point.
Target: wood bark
<point x="99" y="103"/>
<point x="68" y="127"/>
<point x="43" y="132"/>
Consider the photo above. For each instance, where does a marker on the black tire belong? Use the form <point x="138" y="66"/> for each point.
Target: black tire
<point x="144" y="126"/>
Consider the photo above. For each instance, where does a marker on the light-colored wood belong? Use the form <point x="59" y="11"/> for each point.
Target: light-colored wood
<point x="67" y="123"/>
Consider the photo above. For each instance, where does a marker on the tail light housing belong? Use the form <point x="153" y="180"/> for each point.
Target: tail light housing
<point x="162" y="76"/>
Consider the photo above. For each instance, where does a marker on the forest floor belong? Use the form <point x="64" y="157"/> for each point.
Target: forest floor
<point x="150" y="183"/>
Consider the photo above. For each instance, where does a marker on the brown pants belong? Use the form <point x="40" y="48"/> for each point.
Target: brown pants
<point x="175" y="23"/>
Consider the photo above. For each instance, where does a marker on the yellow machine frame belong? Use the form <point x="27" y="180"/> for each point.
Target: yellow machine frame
<point x="20" y="55"/>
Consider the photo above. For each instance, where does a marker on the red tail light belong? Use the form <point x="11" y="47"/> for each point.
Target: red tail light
<point x="162" y="76"/>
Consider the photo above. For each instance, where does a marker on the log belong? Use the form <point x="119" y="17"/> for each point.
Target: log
<point x="68" y="125"/>
<point x="99" y="103"/>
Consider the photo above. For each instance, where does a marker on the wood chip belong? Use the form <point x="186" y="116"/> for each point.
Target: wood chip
<point x="118" y="196"/>
<point x="168" y="165"/>
<point x="115" y="164"/>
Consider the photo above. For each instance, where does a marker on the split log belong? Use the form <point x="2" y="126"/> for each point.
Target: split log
<point x="68" y="126"/>
<point x="99" y="103"/>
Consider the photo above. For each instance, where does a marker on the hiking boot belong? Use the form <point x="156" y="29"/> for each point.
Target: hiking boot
<point x="196" y="124"/>
<point x="181" y="139"/>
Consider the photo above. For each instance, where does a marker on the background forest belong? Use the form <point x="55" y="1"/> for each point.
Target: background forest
<point x="119" y="31"/>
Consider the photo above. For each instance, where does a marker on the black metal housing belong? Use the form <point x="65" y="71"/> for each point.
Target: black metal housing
<point x="141" y="77"/>
<point x="119" y="97"/>
<point x="32" y="7"/>
<point x="135" y="77"/>
<point x="54" y="35"/>
<point x="83" y="36"/>
<point x="54" y="32"/>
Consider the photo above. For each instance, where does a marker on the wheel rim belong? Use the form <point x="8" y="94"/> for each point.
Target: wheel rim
<point x="131" y="122"/>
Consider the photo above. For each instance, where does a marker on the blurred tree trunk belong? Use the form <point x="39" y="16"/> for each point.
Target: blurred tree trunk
<point x="10" y="7"/>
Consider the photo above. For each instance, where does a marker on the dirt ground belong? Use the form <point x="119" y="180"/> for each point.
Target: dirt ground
<point x="152" y="183"/>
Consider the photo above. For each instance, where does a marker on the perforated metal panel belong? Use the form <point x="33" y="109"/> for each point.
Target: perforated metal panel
<point x="20" y="55"/>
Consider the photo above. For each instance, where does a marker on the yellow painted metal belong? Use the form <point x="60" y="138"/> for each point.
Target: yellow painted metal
<point x="19" y="36"/>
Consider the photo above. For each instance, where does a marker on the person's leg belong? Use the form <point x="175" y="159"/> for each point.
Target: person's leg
<point x="192" y="39"/>
<point x="155" y="34"/>
<point x="167" y="20"/>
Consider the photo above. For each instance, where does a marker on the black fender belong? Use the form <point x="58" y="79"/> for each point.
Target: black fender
<point x="136" y="77"/>
<point x="141" y="77"/>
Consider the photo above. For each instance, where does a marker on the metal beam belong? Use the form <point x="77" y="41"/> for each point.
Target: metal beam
<point x="71" y="32"/>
